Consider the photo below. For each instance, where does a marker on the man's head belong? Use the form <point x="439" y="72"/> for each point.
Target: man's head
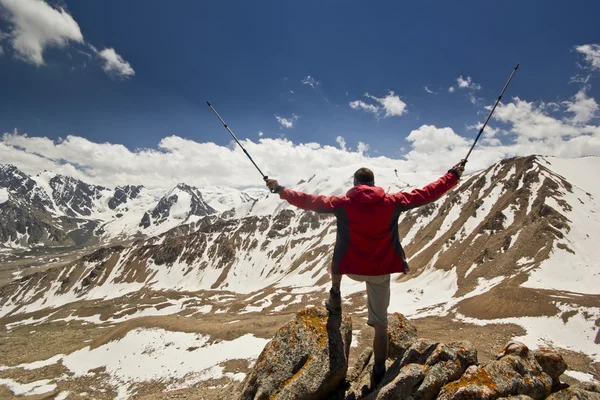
<point x="364" y="176"/>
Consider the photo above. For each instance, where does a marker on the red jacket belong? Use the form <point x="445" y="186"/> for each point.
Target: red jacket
<point x="367" y="240"/>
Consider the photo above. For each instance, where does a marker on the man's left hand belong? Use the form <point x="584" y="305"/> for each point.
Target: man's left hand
<point x="272" y="184"/>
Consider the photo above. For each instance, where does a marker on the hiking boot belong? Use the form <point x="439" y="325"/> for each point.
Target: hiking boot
<point x="376" y="377"/>
<point x="334" y="303"/>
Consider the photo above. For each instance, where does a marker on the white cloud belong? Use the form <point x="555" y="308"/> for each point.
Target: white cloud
<point x="428" y="139"/>
<point x="583" y="108"/>
<point x="35" y="25"/>
<point x="114" y="65"/>
<point x="359" y="104"/>
<point x="391" y="104"/>
<point x="180" y="160"/>
<point x="591" y="53"/>
<point x="260" y="133"/>
<point x="309" y="80"/>
<point x="530" y="121"/>
<point x="342" y="142"/>
<point x="287" y="122"/>
<point x="467" y="83"/>
<point x="463" y="83"/>
<point x="362" y="149"/>
<point x="1" y="51"/>
<point x="489" y="134"/>
<point x="429" y="90"/>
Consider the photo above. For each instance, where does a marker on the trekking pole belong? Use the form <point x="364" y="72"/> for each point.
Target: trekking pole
<point x="464" y="161"/>
<point x="237" y="141"/>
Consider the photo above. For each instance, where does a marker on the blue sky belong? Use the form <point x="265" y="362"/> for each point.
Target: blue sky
<point x="250" y="60"/>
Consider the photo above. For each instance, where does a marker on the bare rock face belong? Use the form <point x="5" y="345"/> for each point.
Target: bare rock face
<point x="514" y="372"/>
<point x="307" y="359"/>
<point x="582" y="391"/>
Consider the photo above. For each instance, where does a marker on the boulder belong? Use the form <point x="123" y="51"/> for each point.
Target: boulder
<point x="514" y="372"/>
<point x="552" y="363"/>
<point x="401" y="334"/>
<point x="307" y="359"/>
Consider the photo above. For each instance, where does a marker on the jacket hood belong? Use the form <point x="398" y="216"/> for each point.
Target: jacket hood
<point x="366" y="194"/>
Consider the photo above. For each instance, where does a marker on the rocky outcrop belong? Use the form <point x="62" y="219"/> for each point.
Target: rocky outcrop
<point x="514" y="372"/>
<point x="307" y="359"/>
<point x="423" y="368"/>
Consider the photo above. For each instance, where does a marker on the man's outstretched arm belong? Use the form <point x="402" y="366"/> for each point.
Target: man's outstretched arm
<point x="304" y="200"/>
<point x="433" y="191"/>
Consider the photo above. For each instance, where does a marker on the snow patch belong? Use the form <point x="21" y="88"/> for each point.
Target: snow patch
<point x="580" y="376"/>
<point x="156" y="354"/>
<point x="3" y="195"/>
<point x="577" y="334"/>
<point x="28" y="389"/>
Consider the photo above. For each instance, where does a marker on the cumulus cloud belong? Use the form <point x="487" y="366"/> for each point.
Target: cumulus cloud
<point x="451" y="89"/>
<point x="287" y="122"/>
<point x="429" y="90"/>
<point x="35" y="25"/>
<point x="309" y="80"/>
<point x="180" y="160"/>
<point x="531" y="121"/>
<point x="428" y="139"/>
<point x="342" y="142"/>
<point x="467" y="83"/>
<point x="114" y="65"/>
<point x="591" y="52"/>
<point x="390" y="105"/>
<point x="583" y="108"/>
<point x="260" y="133"/>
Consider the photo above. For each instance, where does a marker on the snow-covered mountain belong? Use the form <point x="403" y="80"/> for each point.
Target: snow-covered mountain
<point x="517" y="221"/>
<point x="513" y="245"/>
<point x="49" y="210"/>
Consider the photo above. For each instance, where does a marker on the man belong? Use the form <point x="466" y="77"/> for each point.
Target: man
<point x="367" y="246"/>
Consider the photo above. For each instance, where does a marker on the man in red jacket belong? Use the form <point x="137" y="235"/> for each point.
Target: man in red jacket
<point x="367" y="246"/>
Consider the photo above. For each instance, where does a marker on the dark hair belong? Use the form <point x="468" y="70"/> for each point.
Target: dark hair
<point x="364" y="176"/>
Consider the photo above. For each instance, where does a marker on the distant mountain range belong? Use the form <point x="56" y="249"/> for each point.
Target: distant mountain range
<point x="50" y="210"/>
